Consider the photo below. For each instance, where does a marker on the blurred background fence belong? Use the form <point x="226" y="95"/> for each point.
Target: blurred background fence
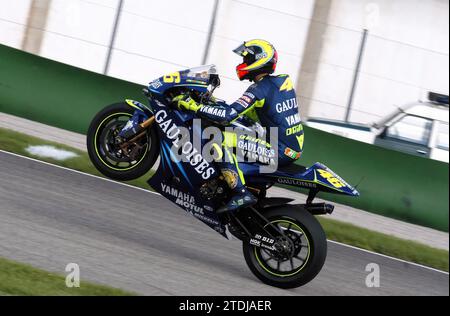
<point x="406" y="52"/>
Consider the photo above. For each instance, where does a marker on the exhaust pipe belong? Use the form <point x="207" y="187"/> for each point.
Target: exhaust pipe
<point x="320" y="208"/>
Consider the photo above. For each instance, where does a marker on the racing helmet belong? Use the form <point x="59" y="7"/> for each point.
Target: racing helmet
<point x="259" y="57"/>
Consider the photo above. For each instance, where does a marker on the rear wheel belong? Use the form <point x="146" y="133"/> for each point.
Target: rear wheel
<point x="111" y="157"/>
<point x="300" y="251"/>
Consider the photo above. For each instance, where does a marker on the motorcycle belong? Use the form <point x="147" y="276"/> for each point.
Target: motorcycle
<point x="283" y="243"/>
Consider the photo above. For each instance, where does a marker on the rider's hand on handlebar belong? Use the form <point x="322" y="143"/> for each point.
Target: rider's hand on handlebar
<point x="185" y="102"/>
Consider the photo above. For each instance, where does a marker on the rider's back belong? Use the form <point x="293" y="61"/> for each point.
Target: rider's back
<point x="279" y="108"/>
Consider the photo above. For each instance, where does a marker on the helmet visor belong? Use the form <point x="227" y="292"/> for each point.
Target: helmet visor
<point x="243" y="50"/>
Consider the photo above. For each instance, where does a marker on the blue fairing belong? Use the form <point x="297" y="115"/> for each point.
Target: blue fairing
<point x="178" y="180"/>
<point x="179" y="80"/>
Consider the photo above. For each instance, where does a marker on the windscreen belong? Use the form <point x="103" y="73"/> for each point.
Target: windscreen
<point x="201" y="73"/>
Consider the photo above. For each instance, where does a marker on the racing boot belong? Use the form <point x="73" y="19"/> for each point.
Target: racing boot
<point x="241" y="199"/>
<point x="241" y="196"/>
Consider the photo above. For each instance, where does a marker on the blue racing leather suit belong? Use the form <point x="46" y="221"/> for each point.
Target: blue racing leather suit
<point x="273" y="102"/>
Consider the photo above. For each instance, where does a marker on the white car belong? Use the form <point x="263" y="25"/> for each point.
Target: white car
<point x="420" y="128"/>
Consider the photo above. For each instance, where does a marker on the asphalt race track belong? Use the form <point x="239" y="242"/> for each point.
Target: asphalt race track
<point x="135" y="240"/>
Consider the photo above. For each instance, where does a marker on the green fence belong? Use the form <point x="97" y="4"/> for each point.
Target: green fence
<point x="397" y="185"/>
<point x="54" y="93"/>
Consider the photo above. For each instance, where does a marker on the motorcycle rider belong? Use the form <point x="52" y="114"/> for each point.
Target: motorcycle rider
<point x="271" y="100"/>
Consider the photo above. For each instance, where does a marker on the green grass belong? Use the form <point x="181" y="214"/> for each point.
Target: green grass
<point x="21" y="279"/>
<point x="385" y="244"/>
<point x="338" y="231"/>
<point x="17" y="143"/>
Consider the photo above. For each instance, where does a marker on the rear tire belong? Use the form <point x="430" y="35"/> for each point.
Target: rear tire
<point x="106" y="157"/>
<point x="300" y="220"/>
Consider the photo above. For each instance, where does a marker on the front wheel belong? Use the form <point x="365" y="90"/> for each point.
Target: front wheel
<point x="299" y="253"/>
<point x="113" y="159"/>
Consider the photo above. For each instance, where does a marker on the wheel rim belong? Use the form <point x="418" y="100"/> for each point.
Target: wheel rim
<point x="292" y="254"/>
<point x="109" y="153"/>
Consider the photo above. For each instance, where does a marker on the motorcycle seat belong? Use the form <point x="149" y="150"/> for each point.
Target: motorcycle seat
<point x="254" y="169"/>
<point x="292" y="169"/>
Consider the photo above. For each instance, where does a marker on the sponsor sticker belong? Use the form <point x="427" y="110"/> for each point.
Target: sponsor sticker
<point x="297" y="182"/>
<point x="261" y="55"/>
<point x="156" y="84"/>
<point x="292" y="153"/>
<point x="246" y="99"/>
<point x="188" y="152"/>
<point x="242" y="103"/>
<point x="255" y="242"/>
<point x="183" y="199"/>
<point x="286" y="105"/>
<point x="250" y="95"/>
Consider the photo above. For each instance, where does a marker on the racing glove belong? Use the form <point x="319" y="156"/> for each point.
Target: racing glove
<point x="185" y="102"/>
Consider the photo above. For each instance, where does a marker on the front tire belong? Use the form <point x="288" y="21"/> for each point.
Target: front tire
<point x="305" y="258"/>
<point x="111" y="160"/>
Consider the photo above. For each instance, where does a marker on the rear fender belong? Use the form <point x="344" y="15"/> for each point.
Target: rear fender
<point x="318" y="178"/>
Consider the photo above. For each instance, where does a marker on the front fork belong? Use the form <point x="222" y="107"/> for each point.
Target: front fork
<point x="133" y="127"/>
<point x="132" y="133"/>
